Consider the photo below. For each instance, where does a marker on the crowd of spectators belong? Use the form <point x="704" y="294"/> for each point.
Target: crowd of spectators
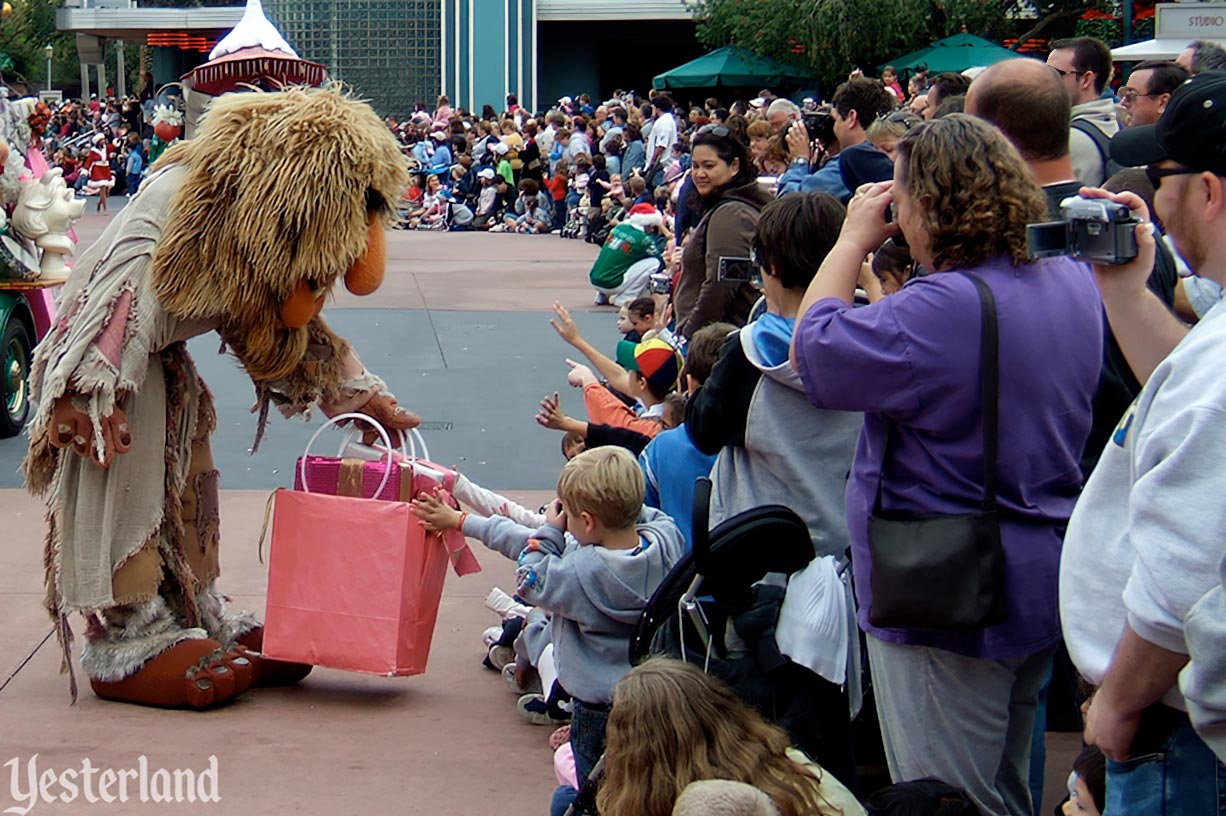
<point x="102" y="145"/>
<point x="1004" y="462"/>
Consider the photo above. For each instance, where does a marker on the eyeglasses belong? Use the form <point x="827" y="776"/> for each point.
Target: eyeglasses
<point x="716" y="130"/>
<point x="1157" y="174"/>
<point x="1129" y="95"/>
<point x="1064" y="73"/>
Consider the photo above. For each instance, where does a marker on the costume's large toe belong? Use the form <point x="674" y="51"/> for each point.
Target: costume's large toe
<point x="190" y="674"/>
<point x="271" y="673"/>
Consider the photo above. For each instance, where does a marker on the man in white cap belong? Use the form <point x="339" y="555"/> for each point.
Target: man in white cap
<point x="489" y="198"/>
<point x="440" y="159"/>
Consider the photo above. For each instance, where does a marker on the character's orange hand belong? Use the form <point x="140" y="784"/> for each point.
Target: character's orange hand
<point x="73" y="428"/>
<point x="385" y="410"/>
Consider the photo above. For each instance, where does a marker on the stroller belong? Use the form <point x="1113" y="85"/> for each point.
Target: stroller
<point x="712" y="585"/>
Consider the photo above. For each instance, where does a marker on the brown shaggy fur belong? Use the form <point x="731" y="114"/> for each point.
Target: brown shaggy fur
<point x="278" y="191"/>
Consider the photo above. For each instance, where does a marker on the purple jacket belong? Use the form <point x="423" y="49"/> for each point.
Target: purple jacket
<point x="914" y="356"/>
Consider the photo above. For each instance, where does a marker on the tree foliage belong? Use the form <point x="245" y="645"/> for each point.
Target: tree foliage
<point x="25" y="35"/>
<point x="830" y="37"/>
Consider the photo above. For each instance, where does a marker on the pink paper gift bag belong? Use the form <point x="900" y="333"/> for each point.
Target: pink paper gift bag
<point x="352" y="584"/>
<point x="355" y="583"/>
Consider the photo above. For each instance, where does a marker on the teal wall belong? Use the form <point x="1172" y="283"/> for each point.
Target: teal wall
<point x="491" y="57"/>
<point x="490" y="53"/>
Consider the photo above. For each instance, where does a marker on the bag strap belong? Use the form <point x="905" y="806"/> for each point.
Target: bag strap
<point x="989" y="392"/>
<point x="1102" y="142"/>
<point x="1096" y="135"/>
<point x="989" y="386"/>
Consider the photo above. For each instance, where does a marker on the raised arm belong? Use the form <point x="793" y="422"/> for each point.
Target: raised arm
<point x="614" y="374"/>
<point x="1143" y="326"/>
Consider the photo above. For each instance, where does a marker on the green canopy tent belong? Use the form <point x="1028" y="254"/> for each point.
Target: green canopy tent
<point x="956" y="53"/>
<point x="732" y="67"/>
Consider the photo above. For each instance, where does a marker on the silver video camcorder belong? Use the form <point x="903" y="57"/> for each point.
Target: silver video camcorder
<point x="1091" y="229"/>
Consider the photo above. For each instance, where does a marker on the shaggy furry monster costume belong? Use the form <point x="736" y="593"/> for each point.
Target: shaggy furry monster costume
<point x="243" y="231"/>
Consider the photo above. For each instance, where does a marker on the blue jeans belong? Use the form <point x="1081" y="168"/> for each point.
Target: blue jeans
<point x="587" y="730"/>
<point x="1173" y="773"/>
<point x="1038" y="750"/>
<point x="587" y="727"/>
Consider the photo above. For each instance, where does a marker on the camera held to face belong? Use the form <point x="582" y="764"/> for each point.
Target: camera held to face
<point x="820" y="124"/>
<point x="1091" y="230"/>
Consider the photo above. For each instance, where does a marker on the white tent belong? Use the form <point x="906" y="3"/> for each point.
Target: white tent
<point x="1154" y="49"/>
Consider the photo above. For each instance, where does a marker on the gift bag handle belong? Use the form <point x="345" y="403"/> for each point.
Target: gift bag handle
<point x="409" y="442"/>
<point x="387" y="446"/>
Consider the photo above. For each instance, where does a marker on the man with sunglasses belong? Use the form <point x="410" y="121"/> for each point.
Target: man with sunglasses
<point x="1149" y="532"/>
<point x="1084" y="66"/>
<point x="1149" y="90"/>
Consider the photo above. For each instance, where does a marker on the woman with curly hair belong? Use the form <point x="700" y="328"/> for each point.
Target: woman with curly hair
<point x="672" y="725"/>
<point x="957" y="704"/>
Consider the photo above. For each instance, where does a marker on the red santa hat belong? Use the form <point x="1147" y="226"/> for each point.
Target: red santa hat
<point x="644" y="216"/>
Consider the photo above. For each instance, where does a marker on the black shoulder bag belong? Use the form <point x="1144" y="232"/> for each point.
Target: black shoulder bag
<point x="945" y="573"/>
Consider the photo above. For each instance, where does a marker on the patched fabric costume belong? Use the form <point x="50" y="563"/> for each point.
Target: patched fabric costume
<point x="222" y="237"/>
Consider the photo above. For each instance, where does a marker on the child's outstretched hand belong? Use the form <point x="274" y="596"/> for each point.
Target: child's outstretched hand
<point x="551" y="415"/>
<point x="565" y="324"/>
<point x="580" y="375"/>
<point x="435" y="515"/>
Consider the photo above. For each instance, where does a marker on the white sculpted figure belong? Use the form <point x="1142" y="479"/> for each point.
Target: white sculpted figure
<point x="45" y="210"/>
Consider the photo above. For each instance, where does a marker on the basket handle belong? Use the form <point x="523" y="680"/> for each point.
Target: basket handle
<point x="387" y="445"/>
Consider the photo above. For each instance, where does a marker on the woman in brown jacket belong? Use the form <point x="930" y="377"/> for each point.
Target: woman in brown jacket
<point x="724" y="176"/>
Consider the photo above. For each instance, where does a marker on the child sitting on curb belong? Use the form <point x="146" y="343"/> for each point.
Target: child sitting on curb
<point x="594" y="565"/>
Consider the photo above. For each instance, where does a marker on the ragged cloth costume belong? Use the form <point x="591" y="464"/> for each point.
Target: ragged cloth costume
<point x="222" y="237"/>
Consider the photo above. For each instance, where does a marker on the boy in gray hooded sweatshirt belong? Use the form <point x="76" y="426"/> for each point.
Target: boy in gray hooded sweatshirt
<point x="774" y="447"/>
<point x="593" y="566"/>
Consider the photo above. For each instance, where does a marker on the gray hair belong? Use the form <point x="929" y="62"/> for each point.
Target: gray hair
<point x="1207" y="56"/>
<point x="785" y="106"/>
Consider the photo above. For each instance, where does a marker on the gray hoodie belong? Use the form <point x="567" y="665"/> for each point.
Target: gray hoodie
<point x="596" y="595"/>
<point x="1089" y="165"/>
<point x="794" y="454"/>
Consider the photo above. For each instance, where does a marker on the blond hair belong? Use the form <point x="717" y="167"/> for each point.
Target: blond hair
<point x="606" y="482"/>
<point x="672" y="725"/>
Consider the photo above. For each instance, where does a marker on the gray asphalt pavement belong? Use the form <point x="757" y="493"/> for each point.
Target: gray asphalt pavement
<point x="474" y="377"/>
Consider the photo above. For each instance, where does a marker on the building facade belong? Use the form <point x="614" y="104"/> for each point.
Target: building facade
<point x="388" y="50"/>
<point x="397" y="53"/>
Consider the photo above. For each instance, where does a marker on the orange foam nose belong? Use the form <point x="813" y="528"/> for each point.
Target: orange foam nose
<point x="297" y="311"/>
<point x="366" y="274"/>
